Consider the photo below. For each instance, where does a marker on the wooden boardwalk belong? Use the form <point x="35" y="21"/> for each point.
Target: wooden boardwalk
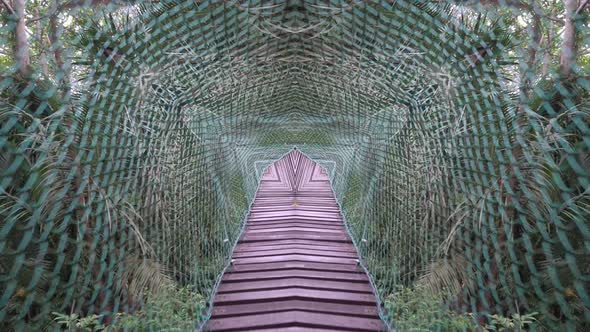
<point x="295" y="268"/>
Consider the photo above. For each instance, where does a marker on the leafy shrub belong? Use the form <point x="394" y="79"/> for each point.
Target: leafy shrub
<point x="172" y="309"/>
<point x="419" y="309"/>
<point x="73" y="322"/>
<point x="416" y="309"/>
<point x="515" y="323"/>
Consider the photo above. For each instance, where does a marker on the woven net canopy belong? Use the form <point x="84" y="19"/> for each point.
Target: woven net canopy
<point x="133" y="135"/>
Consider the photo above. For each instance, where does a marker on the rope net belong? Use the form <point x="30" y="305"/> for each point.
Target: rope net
<point x="133" y="135"/>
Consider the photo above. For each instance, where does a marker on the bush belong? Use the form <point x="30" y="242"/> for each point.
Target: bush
<point x="172" y="309"/>
<point x="419" y="309"/>
<point x="416" y="309"/>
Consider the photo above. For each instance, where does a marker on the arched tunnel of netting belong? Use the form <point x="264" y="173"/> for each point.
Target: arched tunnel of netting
<point x="133" y="135"/>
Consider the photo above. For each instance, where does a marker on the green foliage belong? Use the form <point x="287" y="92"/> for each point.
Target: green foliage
<point x="73" y="322"/>
<point x="416" y="309"/>
<point x="515" y="323"/>
<point x="173" y="309"/>
<point x="419" y="309"/>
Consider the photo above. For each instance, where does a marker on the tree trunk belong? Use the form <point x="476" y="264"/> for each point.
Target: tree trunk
<point x="55" y="43"/>
<point x="41" y="46"/>
<point x="22" y="43"/>
<point x="568" y="48"/>
<point x="528" y="73"/>
<point x="62" y="70"/>
<point x="548" y="45"/>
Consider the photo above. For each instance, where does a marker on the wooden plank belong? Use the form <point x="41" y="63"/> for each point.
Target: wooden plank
<point x="296" y="242"/>
<point x="288" y="201"/>
<point x="312" y="306"/>
<point x="294" y="265"/>
<point x="274" y="223"/>
<point x="294" y="282"/>
<point x="298" y="258"/>
<point x="270" y="252"/>
<point x="296" y="329"/>
<point x="310" y="218"/>
<point x="283" y="224"/>
<point x="299" y="213"/>
<point x="296" y="218"/>
<point x="309" y="200"/>
<point x="277" y="230"/>
<point x="288" y="211"/>
<point x="351" y="277"/>
<point x="341" y="248"/>
<point x="295" y="293"/>
<point x="296" y="318"/>
<point x="301" y="207"/>
<point x="295" y="236"/>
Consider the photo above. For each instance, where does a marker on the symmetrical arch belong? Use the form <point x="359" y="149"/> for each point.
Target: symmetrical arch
<point x="459" y="173"/>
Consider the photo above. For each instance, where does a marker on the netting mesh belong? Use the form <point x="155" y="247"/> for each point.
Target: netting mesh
<point x="133" y="135"/>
